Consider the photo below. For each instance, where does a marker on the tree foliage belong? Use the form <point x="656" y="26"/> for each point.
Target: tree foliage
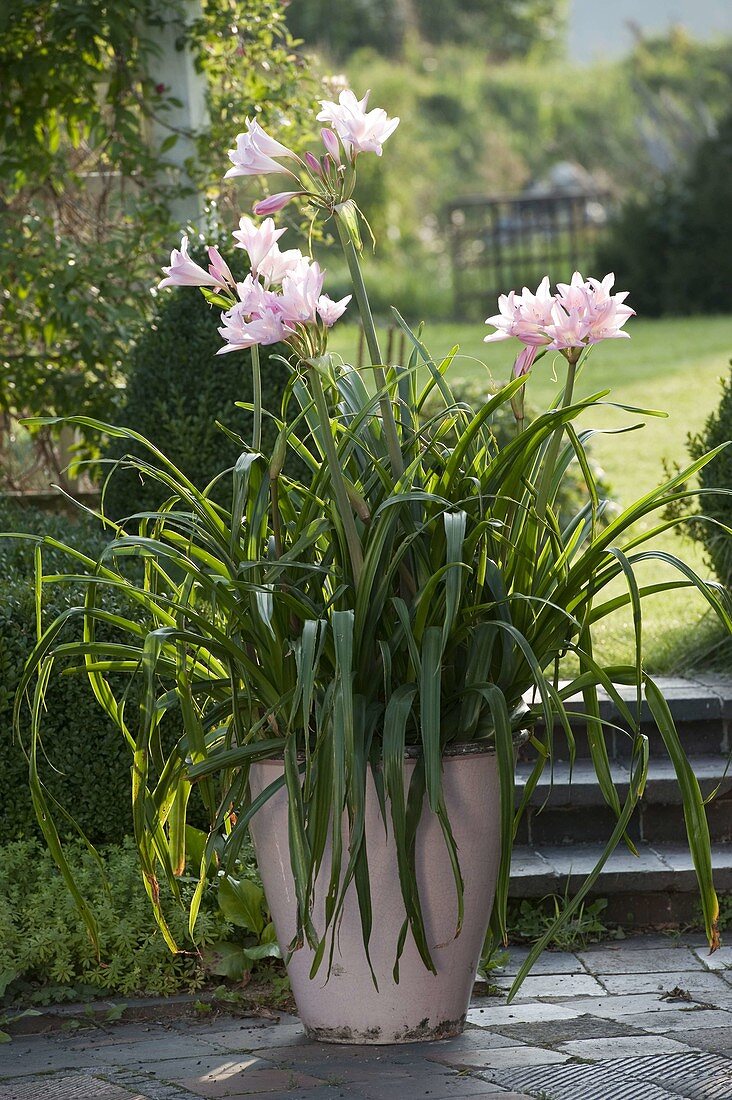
<point x="86" y="179"/>
<point x="509" y="28"/>
<point x="674" y="245"/>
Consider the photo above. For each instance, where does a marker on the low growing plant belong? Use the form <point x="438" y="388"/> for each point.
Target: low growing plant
<point x="416" y="588"/>
<point x="47" y="954"/>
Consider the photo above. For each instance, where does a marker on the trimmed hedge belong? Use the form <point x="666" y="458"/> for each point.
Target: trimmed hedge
<point x="716" y="475"/>
<point x="83" y="744"/>
<point x="177" y="388"/>
<point x="87" y="751"/>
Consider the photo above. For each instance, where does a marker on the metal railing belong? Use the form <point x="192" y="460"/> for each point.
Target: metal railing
<point x="505" y="242"/>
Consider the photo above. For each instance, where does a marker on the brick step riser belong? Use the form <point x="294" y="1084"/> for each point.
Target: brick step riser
<point x="706" y="736"/>
<point x="653" y="822"/>
<point x="643" y="910"/>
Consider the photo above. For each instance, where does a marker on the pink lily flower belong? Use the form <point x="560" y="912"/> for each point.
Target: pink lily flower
<point x="254" y="298"/>
<point x="329" y="311"/>
<point x="270" y="327"/>
<point x="256" y="240"/>
<point x="301" y="290"/>
<point x="332" y="145"/>
<point x="218" y="267"/>
<point x="276" y="264"/>
<point x="361" y="131"/>
<point x="313" y="164"/>
<point x="183" y="271"/>
<point x="569" y="328"/>
<point x="581" y="312"/>
<point x="255" y="152"/>
<point x="524" y="361"/>
<point x="523" y="315"/>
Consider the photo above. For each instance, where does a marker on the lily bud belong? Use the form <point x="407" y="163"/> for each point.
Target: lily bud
<point x="275" y="202"/>
<point x="313" y="164"/>
<point x="331" y="143"/>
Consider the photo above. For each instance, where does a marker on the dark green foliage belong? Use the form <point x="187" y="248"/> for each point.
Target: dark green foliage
<point x="16" y="555"/>
<point x="91" y="758"/>
<point x="346" y="26"/>
<point x="178" y="387"/>
<point x="717" y="475"/>
<point x="674" y="246"/>
<point x="91" y="763"/>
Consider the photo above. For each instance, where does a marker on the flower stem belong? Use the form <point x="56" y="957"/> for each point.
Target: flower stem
<point x="257" y="399"/>
<point x="372" y="342"/>
<point x="542" y="496"/>
<point x="336" y="477"/>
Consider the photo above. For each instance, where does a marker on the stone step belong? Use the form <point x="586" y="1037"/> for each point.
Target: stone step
<point x="701" y="708"/>
<point x="656" y="887"/>
<point x="568" y="807"/>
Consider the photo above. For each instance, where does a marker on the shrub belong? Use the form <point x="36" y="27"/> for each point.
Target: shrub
<point x="178" y="387"/>
<point x="674" y="246"/>
<point x="16" y="555"/>
<point x="717" y="475"/>
<point x="91" y="761"/>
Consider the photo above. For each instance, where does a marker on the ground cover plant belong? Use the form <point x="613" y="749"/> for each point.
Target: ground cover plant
<point x="49" y="958"/>
<point x="415" y="590"/>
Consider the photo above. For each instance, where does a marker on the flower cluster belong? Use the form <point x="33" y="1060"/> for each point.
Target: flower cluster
<point x="279" y="300"/>
<point x="582" y="312"/>
<point x="324" y="180"/>
<point x="282" y="299"/>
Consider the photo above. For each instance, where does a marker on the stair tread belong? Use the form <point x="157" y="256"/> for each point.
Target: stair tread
<point x="578" y="786"/>
<point x="699" y="697"/>
<point x="536" y="871"/>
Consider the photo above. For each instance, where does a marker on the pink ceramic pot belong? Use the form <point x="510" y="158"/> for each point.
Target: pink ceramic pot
<point x="347" y="1008"/>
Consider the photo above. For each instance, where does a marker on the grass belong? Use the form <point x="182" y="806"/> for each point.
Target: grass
<point x="671" y="365"/>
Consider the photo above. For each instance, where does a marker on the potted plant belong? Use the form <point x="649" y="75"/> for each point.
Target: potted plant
<point x="352" y="655"/>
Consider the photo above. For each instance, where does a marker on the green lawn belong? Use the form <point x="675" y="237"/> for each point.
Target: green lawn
<point x="673" y="366"/>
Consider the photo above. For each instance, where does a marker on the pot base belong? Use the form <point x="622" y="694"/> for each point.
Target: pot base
<point x="376" y="1036"/>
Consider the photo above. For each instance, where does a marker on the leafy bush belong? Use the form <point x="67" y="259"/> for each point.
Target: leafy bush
<point x="717" y="475"/>
<point x="96" y="116"/>
<point x="178" y="387"/>
<point x="47" y="953"/>
<point x="674" y="246"/>
<point x="16" y="555"/>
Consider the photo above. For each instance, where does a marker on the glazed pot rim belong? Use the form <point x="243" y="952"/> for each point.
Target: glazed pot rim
<point x="456" y="750"/>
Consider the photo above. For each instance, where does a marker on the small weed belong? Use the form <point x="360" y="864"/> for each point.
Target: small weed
<point x="529" y="921"/>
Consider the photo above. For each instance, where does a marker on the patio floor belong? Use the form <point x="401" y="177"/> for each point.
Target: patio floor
<point x="648" y="1018"/>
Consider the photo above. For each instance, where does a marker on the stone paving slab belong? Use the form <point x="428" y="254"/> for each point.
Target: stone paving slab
<point x="613" y="960"/>
<point x="591" y="1025"/>
<point x="692" y="981"/>
<point x="604" y="1050"/>
<point x="556" y="985"/>
<point x="551" y="962"/>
